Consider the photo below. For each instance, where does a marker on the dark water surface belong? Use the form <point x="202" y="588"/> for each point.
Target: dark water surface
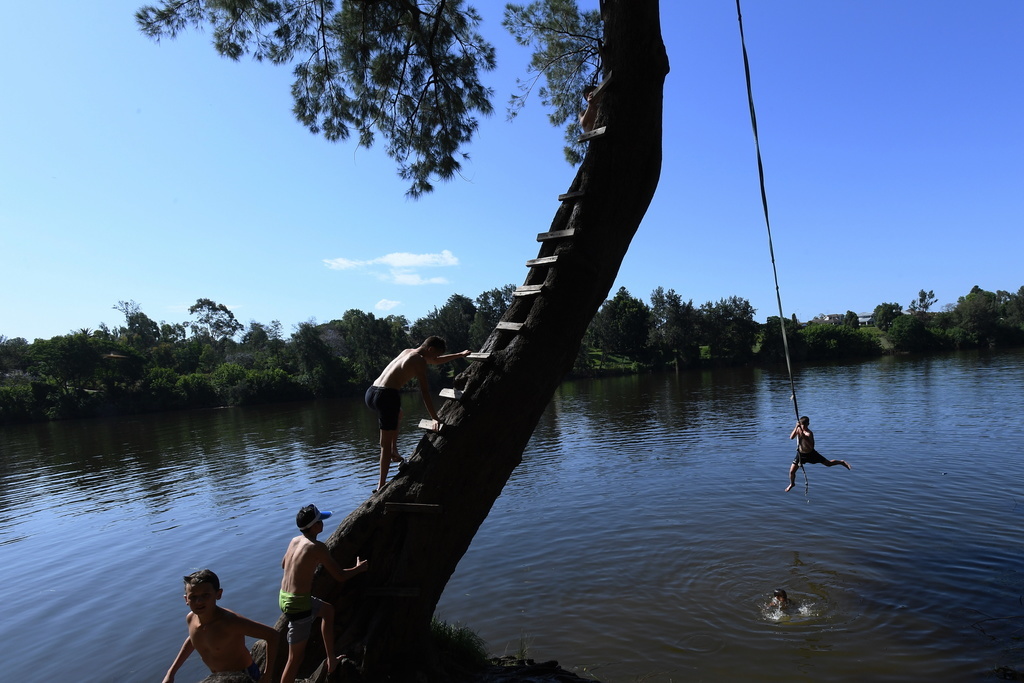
<point x="638" y="541"/>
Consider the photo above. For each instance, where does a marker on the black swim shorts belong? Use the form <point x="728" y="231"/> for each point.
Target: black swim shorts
<point x="812" y="458"/>
<point x="387" y="403"/>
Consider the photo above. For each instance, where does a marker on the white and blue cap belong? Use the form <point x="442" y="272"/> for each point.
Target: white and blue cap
<point x="310" y="515"/>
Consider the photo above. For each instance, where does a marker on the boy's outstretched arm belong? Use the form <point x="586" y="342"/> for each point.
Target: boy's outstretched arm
<point x="428" y="401"/>
<point x="186" y="649"/>
<point x="451" y="356"/>
<point x="337" y="571"/>
<point x="268" y="634"/>
<point x="421" y="378"/>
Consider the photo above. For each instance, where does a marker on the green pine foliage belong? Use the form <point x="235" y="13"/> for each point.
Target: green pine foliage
<point x="566" y="59"/>
<point x="409" y="71"/>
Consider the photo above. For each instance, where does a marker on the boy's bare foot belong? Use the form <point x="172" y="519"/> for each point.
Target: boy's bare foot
<point x="397" y="458"/>
<point x="788" y="488"/>
<point x="333" y="662"/>
<point x="845" y="464"/>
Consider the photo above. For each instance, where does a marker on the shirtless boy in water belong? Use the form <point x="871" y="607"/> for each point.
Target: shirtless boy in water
<point x="219" y="634"/>
<point x="805" y="453"/>
<point x="384" y="397"/>
<point x="296" y="600"/>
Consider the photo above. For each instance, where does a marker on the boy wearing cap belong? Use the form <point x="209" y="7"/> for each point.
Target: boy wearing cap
<point x="219" y="634"/>
<point x="296" y="600"/>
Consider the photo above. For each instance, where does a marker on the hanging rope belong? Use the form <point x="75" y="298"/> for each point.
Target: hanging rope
<point x="767" y="223"/>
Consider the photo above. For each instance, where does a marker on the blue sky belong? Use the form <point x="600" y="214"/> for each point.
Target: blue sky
<point x="891" y="132"/>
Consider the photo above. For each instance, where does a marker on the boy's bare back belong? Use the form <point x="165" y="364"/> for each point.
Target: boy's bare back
<point x="300" y="562"/>
<point x="406" y="365"/>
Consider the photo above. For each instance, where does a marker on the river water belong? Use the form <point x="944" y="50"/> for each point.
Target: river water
<point x="639" y="540"/>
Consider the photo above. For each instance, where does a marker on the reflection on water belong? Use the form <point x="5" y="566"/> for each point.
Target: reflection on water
<point x="639" y="539"/>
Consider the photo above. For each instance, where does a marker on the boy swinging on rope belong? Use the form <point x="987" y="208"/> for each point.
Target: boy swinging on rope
<point x="805" y="453"/>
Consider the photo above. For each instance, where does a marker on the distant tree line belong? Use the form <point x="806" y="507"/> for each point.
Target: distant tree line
<point x="214" y="360"/>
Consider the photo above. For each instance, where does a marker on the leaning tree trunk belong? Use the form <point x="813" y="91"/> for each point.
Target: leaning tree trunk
<point x="453" y="478"/>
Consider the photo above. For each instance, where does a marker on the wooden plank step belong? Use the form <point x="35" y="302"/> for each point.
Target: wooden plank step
<point x="451" y="393"/>
<point x="478" y="356"/>
<point x="555" y="234"/>
<point x="395" y="591"/>
<point x="596" y="133"/>
<point x="413" y="507"/>
<point x="600" y="88"/>
<point x="542" y="261"/>
<point x="509" y="326"/>
<point x="528" y="290"/>
<point x="571" y="195"/>
<point x="429" y="425"/>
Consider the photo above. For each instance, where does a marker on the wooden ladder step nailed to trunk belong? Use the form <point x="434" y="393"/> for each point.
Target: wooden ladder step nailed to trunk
<point x="571" y="195"/>
<point x="596" y="133"/>
<point x="542" y="261"/>
<point x="528" y="290"/>
<point x="603" y="84"/>
<point x="423" y="508"/>
<point x="429" y="426"/>
<point x="555" y="235"/>
<point x="515" y="327"/>
<point x="451" y="393"/>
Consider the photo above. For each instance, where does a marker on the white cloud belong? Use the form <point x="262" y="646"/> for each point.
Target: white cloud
<point x="407" y="277"/>
<point x="402" y="266"/>
<point x="386" y="304"/>
<point x="341" y="263"/>
<point x="403" y="260"/>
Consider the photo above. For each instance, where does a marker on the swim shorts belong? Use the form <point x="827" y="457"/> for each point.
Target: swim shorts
<point x="388" y="404"/>
<point x="254" y="671"/>
<point x="812" y="458"/>
<point x="294" y="603"/>
<point x="299" y="610"/>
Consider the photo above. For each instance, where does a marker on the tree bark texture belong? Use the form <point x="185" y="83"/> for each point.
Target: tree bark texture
<point x="383" y="615"/>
